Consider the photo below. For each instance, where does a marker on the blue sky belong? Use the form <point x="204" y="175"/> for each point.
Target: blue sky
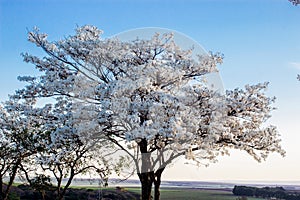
<point x="259" y="38"/>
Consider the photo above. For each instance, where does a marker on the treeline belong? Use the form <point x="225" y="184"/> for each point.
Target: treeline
<point x="265" y="192"/>
<point x="26" y="192"/>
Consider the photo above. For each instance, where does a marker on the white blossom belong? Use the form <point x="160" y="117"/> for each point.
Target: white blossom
<point x="149" y="97"/>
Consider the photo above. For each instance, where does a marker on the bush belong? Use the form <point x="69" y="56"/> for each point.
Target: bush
<point x="265" y="192"/>
<point x="13" y="196"/>
<point x="244" y="191"/>
<point x="242" y="198"/>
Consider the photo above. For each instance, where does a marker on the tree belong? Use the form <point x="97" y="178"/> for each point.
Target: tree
<point x="265" y="192"/>
<point x="149" y="98"/>
<point x="18" y="139"/>
<point x="41" y="183"/>
<point x="48" y="139"/>
<point x="5" y="162"/>
<point x="66" y="148"/>
<point x="70" y="151"/>
<point x="244" y="191"/>
<point x="295" y="2"/>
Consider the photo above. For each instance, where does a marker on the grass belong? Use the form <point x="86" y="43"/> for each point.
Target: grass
<point x="194" y="194"/>
<point x="184" y="193"/>
<point x="176" y="193"/>
<point x="198" y="194"/>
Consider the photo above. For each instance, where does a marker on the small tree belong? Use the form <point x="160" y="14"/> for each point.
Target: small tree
<point x="47" y="138"/>
<point x="295" y="2"/>
<point x="41" y="183"/>
<point x="151" y="100"/>
<point x="18" y="142"/>
<point x="66" y="148"/>
<point x="70" y="151"/>
<point x="5" y="162"/>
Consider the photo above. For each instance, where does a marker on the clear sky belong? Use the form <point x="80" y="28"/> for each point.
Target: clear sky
<point x="259" y="38"/>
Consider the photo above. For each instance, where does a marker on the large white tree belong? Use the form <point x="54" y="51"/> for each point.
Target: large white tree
<point x="150" y="99"/>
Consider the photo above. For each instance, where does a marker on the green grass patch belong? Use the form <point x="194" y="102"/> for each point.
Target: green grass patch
<point x="198" y="194"/>
<point x="179" y="193"/>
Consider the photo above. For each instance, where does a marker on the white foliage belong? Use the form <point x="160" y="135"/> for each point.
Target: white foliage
<point x="150" y="91"/>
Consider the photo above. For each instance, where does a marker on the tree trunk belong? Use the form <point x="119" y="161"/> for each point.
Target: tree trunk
<point x="11" y="178"/>
<point x="63" y="192"/>
<point x="58" y="178"/>
<point x="1" y="189"/>
<point x="156" y="190"/>
<point x="43" y="193"/>
<point x="146" y="174"/>
<point x="157" y="183"/>
<point x="146" y="182"/>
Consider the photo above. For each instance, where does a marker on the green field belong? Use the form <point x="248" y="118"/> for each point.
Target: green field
<point x="194" y="194"/>
<point x="130" y="193"/>
<point x="184" y="193"/>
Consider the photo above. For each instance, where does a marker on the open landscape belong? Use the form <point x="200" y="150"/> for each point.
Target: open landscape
<point x="198" y="194"/>
<point x="130" y="193"/>
<point x="87" y="189"/>
<point x="192" y="190"/>
<point x="149" y="100"/>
